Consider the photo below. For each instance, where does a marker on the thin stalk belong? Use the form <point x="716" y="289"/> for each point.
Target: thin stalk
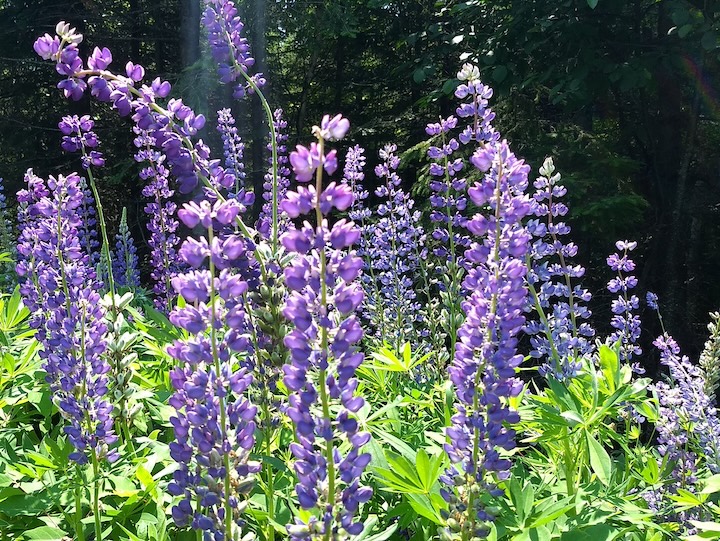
<point x="454" y="286"/>
<point x="395" y="256"/>
<point x="569" y="466"/>
<point x="268" y="431"/>
<point x="270" y="493"/>
<point x="223" y="414"/>
<point x="543" y="318"/>
<point x="96" y="496"/>
<point x="103" y="232"/>
<point x="78" y="506"/>
<point x="324" y="398"/>
<point x="122" y="421"/>
<point x="488" y="338"/>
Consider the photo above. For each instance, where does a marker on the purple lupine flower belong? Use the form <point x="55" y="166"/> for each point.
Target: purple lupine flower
<point x="560" y="336"/>
<point x="353" y="175"/>
<point x="233" y="149"/>
<point x="27" y="219"/>
<point x="62" y="292"/>
<point x="87" y="232"/>
<point x="321" y="306"/>
<point x="125" y="260"/>
<point x="232" y="55"/>
<point x="448" y="198"/>
<point x="170" y="128"/>
<point x="79" y="137"/>
<point x="162" y="225"/>
<point x="483" y="370"/>
<point x="476" y="109"/>
<point x="264" y="225"/>
<point x="214" y="422"/>
<point x="626" y="323"/>
<point x="688" y="427"/>
<point x="392" y="259"/>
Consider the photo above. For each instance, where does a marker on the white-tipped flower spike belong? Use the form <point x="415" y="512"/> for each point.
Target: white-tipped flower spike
<point x="469" y="72"/>
<point x="67" y="33"/>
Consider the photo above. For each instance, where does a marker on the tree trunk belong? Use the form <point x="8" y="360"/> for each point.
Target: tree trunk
<point x="190" y="32"/>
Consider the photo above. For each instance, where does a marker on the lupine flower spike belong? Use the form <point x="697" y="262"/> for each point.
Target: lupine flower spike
<point x="125" y="260"/>
<point x="60" y="289"/>
<point x="324" y="295"/>
<point x="215" y="421"/>
<point x="486" y="357"/>
<point x="561" y="335"/>
<point x="392" y="254"/>
<point x="626" y="324"/>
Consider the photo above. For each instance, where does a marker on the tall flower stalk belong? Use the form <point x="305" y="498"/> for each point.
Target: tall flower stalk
<point x="125" y="260"/>
<point x="163" y="223"/>
<point x="561" y="335"/>
<point x="625" y="323"/>
<point x="486" y="357"/>
<point x="79" y="137"/>
<point x="61" y="290"/>
<point x="214" y="422"/>
<point x="324" y="296"/>
<point x="277" y="180"/>
<point x="392" y="256"/>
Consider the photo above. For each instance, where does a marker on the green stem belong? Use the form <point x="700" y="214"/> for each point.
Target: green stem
<point x="489" y="339"/>
<point x="454" y="289"/>
<point x="96" y="496"/>
<point x="270" y="493"/>
<point x="103" y="232"/>
<point x="543" y="318"/>
<point x="324" y="399"/>
<point x="221" y="399"/>
<point x="569" y="466"/>
<point x="79" y="530"/>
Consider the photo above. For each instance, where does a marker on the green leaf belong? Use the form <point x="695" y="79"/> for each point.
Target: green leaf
<point x="706" y="526"/>
<point x="598" y="532"/>
<point x="539" y="534"/>
<point x="371" y="526"/>
<point x="400" y="446"/>
<point x="145" y="478"/>
<point x="554" y="511"/>
<point x="424" y="507"/>
<point x="592" y="3"/>
<point x="685" y="499"/>
<point x="46" y="533"/>
<point x="422" y="464"/>
<point x="499" y="74"/>
<point x="709" y="41"/>
<point x="711" y="484"/>
<point x="600" y="461"/>
<point x="610" y="366"/>
<point x="684" y="30"/>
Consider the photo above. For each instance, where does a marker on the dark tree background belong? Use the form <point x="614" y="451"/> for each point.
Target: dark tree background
<point x="623" y="93"/>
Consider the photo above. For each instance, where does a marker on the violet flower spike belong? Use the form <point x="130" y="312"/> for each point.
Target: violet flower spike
<point x="324" y="356"/>
<point x="626" y="323"/>
<point x="214" y="422"/>
<point x="60" y="288"/>
<point x="125" y="260"/>
<point x="486" y="357"/>
<point x="559" y="336"/>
